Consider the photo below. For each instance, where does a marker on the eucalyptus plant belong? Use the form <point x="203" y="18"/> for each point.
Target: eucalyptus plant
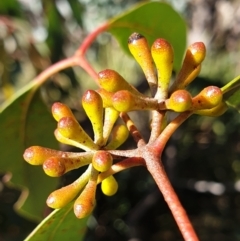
<point x="107" y="108"/>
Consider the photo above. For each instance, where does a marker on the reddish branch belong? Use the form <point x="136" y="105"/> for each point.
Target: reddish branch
<point x="155" y="167"/>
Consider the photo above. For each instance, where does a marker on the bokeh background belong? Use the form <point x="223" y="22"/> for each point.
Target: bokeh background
<point x="202" y="158"/>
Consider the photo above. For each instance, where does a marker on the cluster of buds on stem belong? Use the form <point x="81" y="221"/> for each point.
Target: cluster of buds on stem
<point x="114" y="98"/>
<point x="107" y="136"/>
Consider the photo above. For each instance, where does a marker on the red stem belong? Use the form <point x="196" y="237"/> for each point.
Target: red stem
<point x="161" y="141"/>
<point x="155" y="167"/>
<point x="53" y="69"/>
<point x="82" y="62"/>
<point x="133" y="129"/>
<point x="90" y="38"/>
<point x="151" y="154"/>
<point x="157" y="121"/>
<point x="77" y="59"/>
<point x="122" y="165"/>
<point x="63" y="64"/>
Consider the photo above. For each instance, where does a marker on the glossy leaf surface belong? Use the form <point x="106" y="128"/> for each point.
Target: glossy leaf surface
<point x="25" y="121"/>
<point x="61" y="224"/>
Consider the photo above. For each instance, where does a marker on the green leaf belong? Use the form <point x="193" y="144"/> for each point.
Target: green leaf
<point x="77" y="10"/>
<point x="25" y="121"/>
<point x="231" y="93"/>
<point x="11" y="7"/>
<point x="153" y="20"/>
<point x="60" y="225"/>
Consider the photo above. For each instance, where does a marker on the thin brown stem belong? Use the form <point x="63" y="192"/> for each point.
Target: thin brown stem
<point x="133" y="129"/>
<point x="156" y="125"/>
<point x="125" y="153"/>
<point x="155" y="167"/>
<point x="162" y="140"/>
<point x="120" y="166"/>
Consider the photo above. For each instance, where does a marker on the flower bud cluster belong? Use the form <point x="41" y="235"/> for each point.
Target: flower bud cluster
<point x="103" y="107"/>
<point x="175" y="97"/>
<point x="69" y="131"/>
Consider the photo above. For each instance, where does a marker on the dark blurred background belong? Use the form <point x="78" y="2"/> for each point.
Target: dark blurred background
<point x="202" y="158"/>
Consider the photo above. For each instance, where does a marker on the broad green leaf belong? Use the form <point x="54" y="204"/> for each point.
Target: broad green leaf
<point x="25" y="121"/>
<point x="60" y="225"/>
<point x="153" y="20"/>
<point x="231" y="93"/>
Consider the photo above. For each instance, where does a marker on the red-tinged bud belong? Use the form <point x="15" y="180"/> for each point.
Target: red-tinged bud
<point x="54" y="167"/>
<point x="57" y="166"/>
<point x="196" y="53"/>
<point x="61" y="197"/>
<point x="191" y="66"/>
<point x="162" y="53"/>
<point x="125" y="101"/>
<point x="179" y="101"/>
<point x="120" y="134"/>
<point x="102" y="161"/>
<point x="93" y="106"/>
<point x="110" y="117"/>
<point x="70" y="129"/>
<point x="106" y="97"/>
<point x="112" y="81"/>
<point x="208" y="98"/>
<point x="36" y="155"/>
<point x="215" y="111"/>
<point x="59" y="110"/>
<point x="140" y="50"/>
<point x="70" y="142"/>
<point x="85" y="203"/>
